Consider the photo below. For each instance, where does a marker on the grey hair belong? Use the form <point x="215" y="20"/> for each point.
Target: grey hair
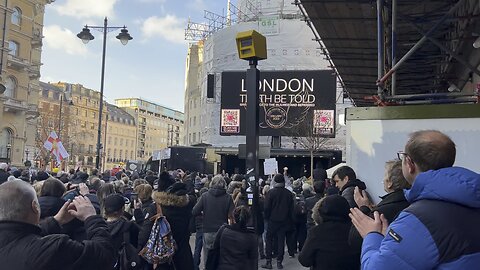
<point x="218" y="182"/>
<point x="316" y="212"/>
<point x="16" y="201"/>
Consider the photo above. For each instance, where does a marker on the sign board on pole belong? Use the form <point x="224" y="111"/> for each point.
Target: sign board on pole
<point x="161" y="154"/>
<point x="292" y="103"/>
<point x="270" y="166"/>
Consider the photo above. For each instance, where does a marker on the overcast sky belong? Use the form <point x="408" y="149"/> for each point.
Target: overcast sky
<point x="151" y="66"/>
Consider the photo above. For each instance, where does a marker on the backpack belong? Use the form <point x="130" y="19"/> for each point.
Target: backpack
<point x="128" y="258"/>
<point x="299" y="208"/>
<point x="160" y="246"/>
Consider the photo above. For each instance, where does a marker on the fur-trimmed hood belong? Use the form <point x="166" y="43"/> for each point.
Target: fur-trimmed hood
<point x="169" y="199"/>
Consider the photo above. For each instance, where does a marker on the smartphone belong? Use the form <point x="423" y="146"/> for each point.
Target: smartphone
<point x="133" y="196"/>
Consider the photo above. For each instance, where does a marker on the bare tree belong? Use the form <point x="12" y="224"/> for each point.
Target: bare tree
<point x="316" y="135"/>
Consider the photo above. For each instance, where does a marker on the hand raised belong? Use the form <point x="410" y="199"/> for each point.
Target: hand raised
<point x="63" y="216"/>
<point x="366" y="224"/>
<point x="83" y="208"/>
<point x="361" y="197"/>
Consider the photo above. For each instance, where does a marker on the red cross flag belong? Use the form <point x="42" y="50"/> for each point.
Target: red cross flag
<point x="55" y="146"/>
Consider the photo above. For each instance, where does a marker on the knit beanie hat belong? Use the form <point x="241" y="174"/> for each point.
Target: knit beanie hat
<point x="278" y="178"/>
<point x="334" y="207"/>
<point x="165" y="181"/>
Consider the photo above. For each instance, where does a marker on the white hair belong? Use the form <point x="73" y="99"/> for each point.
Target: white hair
<point x="218" y="182"/>
<point x="16" y="201"/>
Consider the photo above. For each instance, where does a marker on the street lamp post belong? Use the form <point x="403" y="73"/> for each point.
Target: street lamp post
<point x="86" y="36"/>
<point x="9" y="147"/>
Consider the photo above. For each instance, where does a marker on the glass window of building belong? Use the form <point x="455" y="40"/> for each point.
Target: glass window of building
<point x="10" y="87"/>
<point x="16" y="16"/>
<point x="13" y="48"/>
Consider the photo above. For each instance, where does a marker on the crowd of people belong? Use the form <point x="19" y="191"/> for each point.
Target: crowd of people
<point x="76" y="220"/>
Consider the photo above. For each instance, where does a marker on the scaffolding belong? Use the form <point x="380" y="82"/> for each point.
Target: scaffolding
<point x="215" y="22"/>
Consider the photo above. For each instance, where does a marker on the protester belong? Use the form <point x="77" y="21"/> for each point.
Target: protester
<point x="327" y="246"/>
<point x="3" y="172"/>
<point x="25" y="245"/>
<point x="319" y="188"/>
<point x="439" y="230"/>
<point x="217" y="207"/>
<point x="50" y="199"/>
<point x="346" y="180"/>
<point x="177" y="207"/>
<point x="319" y="173"/>
<point x="237" y="243"/>
<point x="120" y="228"/>
<point x="279" y="215"/>
<point x="391" y="204"/>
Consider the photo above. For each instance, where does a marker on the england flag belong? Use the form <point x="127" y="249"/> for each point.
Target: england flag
<point x="55" y="146"/>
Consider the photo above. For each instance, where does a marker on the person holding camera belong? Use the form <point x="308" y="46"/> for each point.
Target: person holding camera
<point x="26" y="244"/>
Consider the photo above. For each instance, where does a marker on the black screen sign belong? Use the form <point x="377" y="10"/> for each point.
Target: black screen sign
<point x="292" y="103"/>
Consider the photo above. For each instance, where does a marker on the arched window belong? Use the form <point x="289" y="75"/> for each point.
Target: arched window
<point x="13" y="48"/>
<point x="17" y="16"/>
<point x="5" y="142"/>
<point x="11" y="87"/>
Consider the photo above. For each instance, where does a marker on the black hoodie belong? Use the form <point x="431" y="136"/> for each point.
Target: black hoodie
<point x="117" y="229"/>
<point x="348" y="189"/>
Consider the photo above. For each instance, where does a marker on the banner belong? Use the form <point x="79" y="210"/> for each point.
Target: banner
<point x="55" y="146"/>
<point x="292" y="103"/>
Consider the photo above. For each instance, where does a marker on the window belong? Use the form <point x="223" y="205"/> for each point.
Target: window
<point x="109" y="140"/>
<point x="94" y="115"/>
<point x="121" y="154"/>
<point x="121" y="141"/>
<point x="13" y="48"/>
<point x="115" y="141"/>
<point x="16" y="16"/>
<point x="10" y="87"/>
<point x="131" y="155"/>
<point x="90" y="149"/>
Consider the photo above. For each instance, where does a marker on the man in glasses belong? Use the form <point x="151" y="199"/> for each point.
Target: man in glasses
<point x="440" y="230"/>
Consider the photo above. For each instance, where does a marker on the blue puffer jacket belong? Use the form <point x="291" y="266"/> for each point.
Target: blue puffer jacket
<point x="440" y="230"/>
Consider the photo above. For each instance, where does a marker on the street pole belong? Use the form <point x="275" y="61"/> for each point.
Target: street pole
<point x="253" y="75"/>
<point x="99" y="136"/>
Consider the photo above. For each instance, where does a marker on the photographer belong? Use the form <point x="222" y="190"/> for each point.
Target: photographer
<point x="29" y="246"/>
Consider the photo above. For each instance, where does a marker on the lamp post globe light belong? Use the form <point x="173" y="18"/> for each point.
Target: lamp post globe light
<point x="86" y="36"/>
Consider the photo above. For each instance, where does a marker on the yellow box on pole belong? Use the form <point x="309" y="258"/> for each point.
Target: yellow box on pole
<point x="251" y="45"/>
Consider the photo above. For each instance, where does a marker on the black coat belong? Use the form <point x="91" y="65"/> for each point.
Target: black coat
<point x="327" y="248"/>
<point x="278" y="205"/>
<point x="238" y="249"/>
<point x="216" y="206"/>
<point x="49" y="206"/>
<point x="24" y="246"/>
<point x="3" y="176"/>
<point x="178" y="211"/>
<point x="390" y="206"/>
<point x="117" y="230"/>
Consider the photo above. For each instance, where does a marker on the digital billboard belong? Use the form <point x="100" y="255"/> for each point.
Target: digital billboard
<point x="292" y="103"/>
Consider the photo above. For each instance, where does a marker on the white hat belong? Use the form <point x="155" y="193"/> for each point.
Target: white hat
<point x="3" y="166"/>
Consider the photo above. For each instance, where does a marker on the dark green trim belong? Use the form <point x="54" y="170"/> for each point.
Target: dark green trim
<point x="414" y="112"/>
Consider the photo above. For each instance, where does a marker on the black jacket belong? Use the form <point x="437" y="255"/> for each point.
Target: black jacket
<point x="151" y="179"/>
<point x="348" y="189"/>
<point x="118" y="228"/>
<point x="49" y="206"/>
<point x="327" y="248"/>
<point x="3" y="176"/>
<point x="390" y="206"/>
<point x="319" y="174"/>
<point x="216" y="206"/>
<point x="177" y="208"/>
<point x="238" y="249"/>
<point x="279" y="204"/>
<point x="24" y="246"/>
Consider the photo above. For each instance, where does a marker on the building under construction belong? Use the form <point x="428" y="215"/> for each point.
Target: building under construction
<point x="290" y="47"/>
